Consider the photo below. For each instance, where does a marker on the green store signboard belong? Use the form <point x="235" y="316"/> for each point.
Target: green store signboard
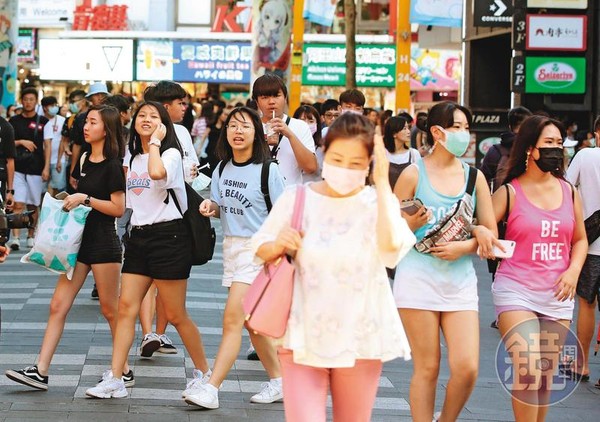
<point x="555" y="75"/>
<point x="325" y="64"/>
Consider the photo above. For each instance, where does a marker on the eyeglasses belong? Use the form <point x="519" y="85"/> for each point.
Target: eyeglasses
<point x="330" y="115"/>
<point x="243" y="128"/>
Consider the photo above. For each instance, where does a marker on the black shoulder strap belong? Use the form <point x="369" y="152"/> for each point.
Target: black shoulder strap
<point x="222" y="167"/>
<point x="275" y="150"/>
<point x="264" y="183"/>
<point x="171" y="192"/>
<point x="472" y="178"/>
<point x="507" y="210"/>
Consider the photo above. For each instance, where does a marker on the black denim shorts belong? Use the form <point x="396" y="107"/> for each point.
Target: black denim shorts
<point x="161" y="251"/>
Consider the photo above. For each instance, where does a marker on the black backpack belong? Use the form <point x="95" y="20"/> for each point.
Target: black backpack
<point x="264" y="180"/>
<point x="202" y="233"/>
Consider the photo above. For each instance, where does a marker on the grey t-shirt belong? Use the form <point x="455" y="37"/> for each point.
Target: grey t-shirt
<point x="241" y="202"/>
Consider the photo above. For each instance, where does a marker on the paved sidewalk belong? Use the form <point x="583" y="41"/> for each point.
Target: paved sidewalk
<point x="84" y="352"/>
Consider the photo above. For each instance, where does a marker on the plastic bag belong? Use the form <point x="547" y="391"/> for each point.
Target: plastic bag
<point x="58" y="236"/>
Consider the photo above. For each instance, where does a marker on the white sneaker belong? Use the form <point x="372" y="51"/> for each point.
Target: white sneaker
<point x="110" y="387"/>
<point x="196" y="383"/>
<point x="207" y="396"/>
<point x="150" y="344"/>
<point x="271" y="392"/>
<point x="30" y="242"/>
<point x="14" y="244"/>
<point x="437" y="416"/>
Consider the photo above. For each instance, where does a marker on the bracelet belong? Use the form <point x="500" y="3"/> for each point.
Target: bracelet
<point x="10" y="191"/>
<point x="154" y="141"/>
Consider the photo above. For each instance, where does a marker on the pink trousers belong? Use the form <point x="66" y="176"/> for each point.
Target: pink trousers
<point x="353" y="390"/>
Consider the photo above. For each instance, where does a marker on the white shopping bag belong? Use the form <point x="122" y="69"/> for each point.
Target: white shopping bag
<point x="58" y="236"/>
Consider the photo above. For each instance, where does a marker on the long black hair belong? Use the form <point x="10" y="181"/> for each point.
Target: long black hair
<point x="527" y="138"/>
<point x="170" y="140"/>
<point x="260" y="149"/>
<point x="307" y="110"/>
<point x="113" y="140"/>
<point x="392" y="127"/>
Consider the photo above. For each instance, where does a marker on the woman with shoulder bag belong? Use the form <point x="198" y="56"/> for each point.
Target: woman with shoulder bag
<point x="238" y="200"/>
<point x="159" y="247"/>
<point x="343" y="324"/>
<point x="435" y="284"/>
<point x="534" y="290"/>
<point x="101" y="187"/>
<point x="396" y="138"/>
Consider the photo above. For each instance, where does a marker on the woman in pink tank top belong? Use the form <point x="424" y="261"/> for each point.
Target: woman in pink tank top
<point x="534" y="290"/>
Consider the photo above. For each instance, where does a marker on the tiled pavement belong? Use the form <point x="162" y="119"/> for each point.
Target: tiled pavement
<point x="84" y="353"/>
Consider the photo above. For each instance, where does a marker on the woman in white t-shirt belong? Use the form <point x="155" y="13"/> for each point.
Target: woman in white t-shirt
<point x="237" y="198"/>
<point x="396" y="138"/>
<point x="159" y="246"/>
<point x="343" y="322"/>
<point x="312" y="118"/>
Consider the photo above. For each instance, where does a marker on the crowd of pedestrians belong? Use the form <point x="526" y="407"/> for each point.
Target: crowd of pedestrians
<point x="378" y="191"/>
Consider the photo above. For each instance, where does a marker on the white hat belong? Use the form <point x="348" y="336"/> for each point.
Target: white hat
<point x="569" y="143"/>
<point x="97" y="88"/>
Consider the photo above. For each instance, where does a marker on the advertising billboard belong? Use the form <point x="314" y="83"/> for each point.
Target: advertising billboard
<point x="555" y="75"/>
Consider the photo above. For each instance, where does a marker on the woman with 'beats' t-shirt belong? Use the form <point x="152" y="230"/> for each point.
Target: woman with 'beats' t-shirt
<point x="159" y="247"/>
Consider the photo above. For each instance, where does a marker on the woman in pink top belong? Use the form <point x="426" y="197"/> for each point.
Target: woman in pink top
<point x="538" y="283"/>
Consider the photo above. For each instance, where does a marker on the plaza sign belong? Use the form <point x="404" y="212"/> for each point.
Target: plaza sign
<point x="325" y="64"/>
<point x="558" y="4"/>
<point x="555" y="75"/>
<point x="556" y="32"/>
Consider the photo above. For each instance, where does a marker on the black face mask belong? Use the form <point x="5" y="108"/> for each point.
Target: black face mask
<point x="551" y="159"/>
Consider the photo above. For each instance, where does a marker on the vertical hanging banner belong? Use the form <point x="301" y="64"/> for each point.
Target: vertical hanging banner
<point x="8" y="58"/>
<point x="436" y="12"/>
<point x="271" y="38"/>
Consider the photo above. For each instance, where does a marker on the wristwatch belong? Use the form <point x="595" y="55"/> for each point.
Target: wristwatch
<point x="87" y="201"/>
<point x="154" y="141"/>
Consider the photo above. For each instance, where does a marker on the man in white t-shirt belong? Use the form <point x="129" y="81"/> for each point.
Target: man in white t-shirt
<point x="54" y="170"/>
<point x="290" y="139"/>
<point x="171" y="95"/>
<point x="584" y="172"/>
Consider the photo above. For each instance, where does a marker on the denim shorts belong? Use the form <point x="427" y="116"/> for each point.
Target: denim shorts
<point x="160" y="251"/>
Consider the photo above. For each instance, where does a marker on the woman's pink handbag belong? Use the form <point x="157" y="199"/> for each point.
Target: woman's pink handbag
<point x="269" y="299"/>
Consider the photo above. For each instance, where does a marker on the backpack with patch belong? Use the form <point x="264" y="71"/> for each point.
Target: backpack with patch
<point x="264" y="180"/>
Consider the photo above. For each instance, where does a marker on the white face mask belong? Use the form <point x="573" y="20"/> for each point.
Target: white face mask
<point x="313" y="128"/>
<point x="343" y="180"/>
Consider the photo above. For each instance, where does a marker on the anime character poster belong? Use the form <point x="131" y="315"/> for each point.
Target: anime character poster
<point x="271" y="38"/>
<point x="437" y="12"/>
<point x="8" y="58"/>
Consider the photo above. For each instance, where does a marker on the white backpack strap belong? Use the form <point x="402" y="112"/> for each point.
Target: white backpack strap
<point x="81" y="160"/>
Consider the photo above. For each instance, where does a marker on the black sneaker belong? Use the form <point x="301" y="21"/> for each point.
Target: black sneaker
<point x="166" y="345"/>
<point x="95" y="292"/>
<point x="150" y="344"/>
<point x="29" y="376"/>
<point x="494" y="324"/>
<point x="251" y="353"/>
<point x="127" y="378"/>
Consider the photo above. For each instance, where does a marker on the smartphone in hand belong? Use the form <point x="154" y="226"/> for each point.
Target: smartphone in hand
<point x="411" y="206"/>
<point x="509" y="249"/>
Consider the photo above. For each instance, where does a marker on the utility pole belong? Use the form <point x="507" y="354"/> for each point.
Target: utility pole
<point x="350" y="30"/>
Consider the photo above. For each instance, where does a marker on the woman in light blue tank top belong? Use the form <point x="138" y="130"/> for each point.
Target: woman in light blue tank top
<point x="438" y="289"/>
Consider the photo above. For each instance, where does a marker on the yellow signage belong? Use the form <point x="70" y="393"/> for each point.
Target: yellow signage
<point x="558" y="4"/>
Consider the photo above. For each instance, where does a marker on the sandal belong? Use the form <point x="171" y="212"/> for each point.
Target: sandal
<point x="597" y="385"/>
